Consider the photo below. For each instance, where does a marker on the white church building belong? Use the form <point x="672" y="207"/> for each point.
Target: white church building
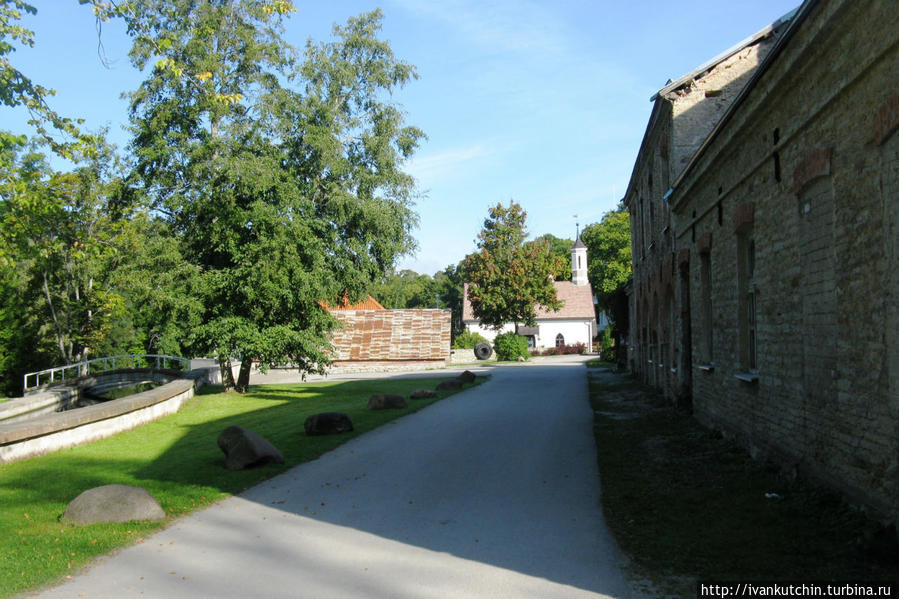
<point x="574" y="323"/>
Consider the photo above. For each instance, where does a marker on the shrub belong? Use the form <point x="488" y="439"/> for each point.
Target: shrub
<point x="467" y="340"/>
<point x="509" y="346"/>
<point x="606" y="344"/>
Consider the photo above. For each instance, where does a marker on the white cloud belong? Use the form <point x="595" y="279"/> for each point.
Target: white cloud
<point x="430" y="169"/>
<point x="499" y="25"/>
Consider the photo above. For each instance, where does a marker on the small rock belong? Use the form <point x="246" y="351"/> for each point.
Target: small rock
<point x="450" y="384"/>
<point x="386" y="401"/>
<point x="245" y="449"/>
<point x="422" y="394"/>
<point x="113" y="503"/>
<point x="519" y="359"/>
<point x="328" y="423"/>
<point x="466" y="377"/>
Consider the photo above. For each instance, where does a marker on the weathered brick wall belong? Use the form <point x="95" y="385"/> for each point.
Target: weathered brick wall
<point x="681" y="120"/>
<point x="814" y="150"/>
<point x="402" y="335"/>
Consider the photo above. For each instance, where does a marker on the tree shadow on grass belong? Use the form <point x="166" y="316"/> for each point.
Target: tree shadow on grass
<point x="336" y="502"/>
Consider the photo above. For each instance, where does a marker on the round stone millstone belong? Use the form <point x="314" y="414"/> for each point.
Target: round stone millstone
<point x="113" y="503"/>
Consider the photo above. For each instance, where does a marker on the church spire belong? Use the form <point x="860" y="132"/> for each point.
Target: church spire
<point x="579" y="261"/>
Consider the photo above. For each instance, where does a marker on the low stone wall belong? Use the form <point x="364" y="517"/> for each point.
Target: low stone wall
<point x="385" y="366"/>
<point x="50" y="432"/>
<point x="466" y="356"/>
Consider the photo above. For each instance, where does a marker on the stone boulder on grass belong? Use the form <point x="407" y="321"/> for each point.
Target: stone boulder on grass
<point x="328" y="423"/>
<point x="422" y="394"/>
<point x="466" y="377"/>
<point x="450" y="385"/>
<point x="245" y="449"/>
<point x="386" y="401"/>
<point x="113" y="503"/>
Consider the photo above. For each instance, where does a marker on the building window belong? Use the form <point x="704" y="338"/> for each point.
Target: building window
<point x="705" y="314"/>
<point x="748" y="296"/>
<point x="560" y="340"/>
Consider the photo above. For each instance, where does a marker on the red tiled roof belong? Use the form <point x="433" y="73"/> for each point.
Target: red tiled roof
<point x="367" y="304"/>
<point x="578" y="303"/>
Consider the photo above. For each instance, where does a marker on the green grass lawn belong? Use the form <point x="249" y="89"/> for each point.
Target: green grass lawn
<point x="177" y="460"/>
<point x="600" y="363"/>
<point x="686" y="504"/>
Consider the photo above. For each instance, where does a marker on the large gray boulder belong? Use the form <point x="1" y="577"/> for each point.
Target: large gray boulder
<point x="245" y="449"/>
<point x="422" y="394"/>
<point x="113" y="503"/>
<point x="328" y="423"/>
<point x="386" y="401"/>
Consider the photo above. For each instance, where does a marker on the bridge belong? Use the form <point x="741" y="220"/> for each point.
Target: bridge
<point x="32" y="381"/>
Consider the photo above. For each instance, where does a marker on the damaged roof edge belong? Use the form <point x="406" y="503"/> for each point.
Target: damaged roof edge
<point x="764" y="32"/>
<point x="801" y="12"/>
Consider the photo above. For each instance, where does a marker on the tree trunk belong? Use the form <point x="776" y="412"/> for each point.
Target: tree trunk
<point x="59" y="335"/>
<point x="227" y="374"/>
<point x="243" y="377"/>
<point x="620" y="352"/>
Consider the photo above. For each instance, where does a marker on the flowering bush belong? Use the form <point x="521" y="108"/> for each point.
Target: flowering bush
<point x="577" y="348"/>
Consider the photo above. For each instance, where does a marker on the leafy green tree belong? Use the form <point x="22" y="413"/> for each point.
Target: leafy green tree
<point x="449" y="285"/>
<point x="23" y="347"/>
<point x="609" y="249"/>
<point x="507" y="277"/>
<point x="62" y="234"/>
<point x="163" y="291"/>
<point x="282" y="198"/>
<point x="405" y="289"/>
<point x="561" y="248"/>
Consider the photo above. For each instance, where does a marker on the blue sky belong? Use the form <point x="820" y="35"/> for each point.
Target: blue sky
<point x="541" y="102"/>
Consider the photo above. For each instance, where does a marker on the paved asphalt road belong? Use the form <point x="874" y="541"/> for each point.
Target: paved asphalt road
<point x="490" y="493"/>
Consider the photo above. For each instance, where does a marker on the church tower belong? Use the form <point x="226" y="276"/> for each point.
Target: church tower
<point x="579" y="262"/>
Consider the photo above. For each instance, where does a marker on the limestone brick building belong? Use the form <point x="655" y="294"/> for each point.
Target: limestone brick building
<point x="773" y="299"/>
<point x="683" y="114"/>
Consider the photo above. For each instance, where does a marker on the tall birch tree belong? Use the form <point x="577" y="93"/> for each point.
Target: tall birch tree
<point x="281" y="171"/>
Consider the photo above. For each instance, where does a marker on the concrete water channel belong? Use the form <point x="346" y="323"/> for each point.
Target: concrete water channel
<point x="47" y="420"/>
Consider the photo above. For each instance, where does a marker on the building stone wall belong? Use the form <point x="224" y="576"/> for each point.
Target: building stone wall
<point x="392" y="335"/>
<point x="683" y="115"/>
<point x="787" y="234"/>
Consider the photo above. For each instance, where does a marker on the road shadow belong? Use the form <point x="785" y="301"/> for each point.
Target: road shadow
<point x="503" y="475"/>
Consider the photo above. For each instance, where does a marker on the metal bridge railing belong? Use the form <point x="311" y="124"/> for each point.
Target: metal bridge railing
<point x="60" y="373"/>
